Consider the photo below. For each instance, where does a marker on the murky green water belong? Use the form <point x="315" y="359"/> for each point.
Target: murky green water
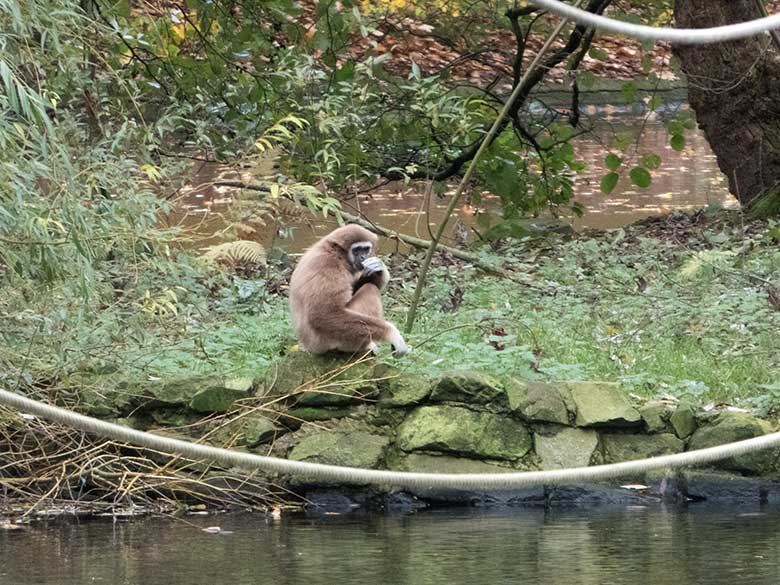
<point x="687" y="180"/>
<point x="602" y="545"/>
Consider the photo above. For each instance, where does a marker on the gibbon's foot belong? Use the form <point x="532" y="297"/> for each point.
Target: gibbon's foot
<point x="372" y="266"/>
<point x="401" y="350"/>
<point x="373" y="349"/>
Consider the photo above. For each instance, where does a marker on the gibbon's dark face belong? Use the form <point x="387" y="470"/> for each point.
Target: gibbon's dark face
<point x="358" y="252"/>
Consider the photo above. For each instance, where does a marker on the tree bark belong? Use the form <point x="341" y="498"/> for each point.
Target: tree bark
<point x="734" y="88"/>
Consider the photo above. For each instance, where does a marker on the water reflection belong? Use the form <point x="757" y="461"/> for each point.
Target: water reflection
<point x="629" y="545"/>
<point x="686" y="180"/>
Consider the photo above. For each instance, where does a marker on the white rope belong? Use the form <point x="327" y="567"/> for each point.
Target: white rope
<point x="680" y="36"/>
<point x="352" y="475"/>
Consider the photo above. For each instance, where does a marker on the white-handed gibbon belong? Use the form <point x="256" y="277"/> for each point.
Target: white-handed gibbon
<point x="335" y="297"/>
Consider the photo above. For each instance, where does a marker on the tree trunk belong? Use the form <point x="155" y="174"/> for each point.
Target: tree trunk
<point x="734" y="88"/>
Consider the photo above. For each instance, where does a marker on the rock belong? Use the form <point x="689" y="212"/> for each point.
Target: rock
<point x="177" y="392"/>
<point x="250" y="431"/>
<point x="537" y="401"/>
<point x="174" y="417"/>
<point x="468" y="387"/>
<point x="656" y="415"/>
<point x="453" y="429"/>
<point x="602" y="404"/>
<point x="219" y="398"/>
<point x="719" y="486"/>
<point x="350" y="448"/>
<point x="596" y="494"/>
<point x="421" y="463"/>
<point x="296" y="416"/>
<point x="567" y="448"/>
<point x="683" y="420"/>
<point x="401" y="391"/>
<point x="103" y="396"/>
<point x="623" y="447"/>
<point x="728" y="427"/>
<point x="320" y="380"/>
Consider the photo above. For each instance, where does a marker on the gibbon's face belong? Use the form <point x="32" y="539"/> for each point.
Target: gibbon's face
<point x="358" y="252"/>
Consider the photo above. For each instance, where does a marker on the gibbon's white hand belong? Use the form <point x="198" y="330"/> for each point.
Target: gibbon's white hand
<point x="372" y="266"/>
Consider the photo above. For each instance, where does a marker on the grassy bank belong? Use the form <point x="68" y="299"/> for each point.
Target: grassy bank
<point x="681" y="304"/>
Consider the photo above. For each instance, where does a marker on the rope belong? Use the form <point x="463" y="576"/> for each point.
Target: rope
<point x="351" y="475"/>
<point x="680" y="36"/>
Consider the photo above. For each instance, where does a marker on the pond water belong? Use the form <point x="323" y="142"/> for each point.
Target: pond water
<point x="686" y="180"/>
<point x="595" y="546"/>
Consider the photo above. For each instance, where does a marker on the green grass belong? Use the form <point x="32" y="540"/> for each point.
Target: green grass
<point x="688" y="318"/>
<point x="701" y="324"/>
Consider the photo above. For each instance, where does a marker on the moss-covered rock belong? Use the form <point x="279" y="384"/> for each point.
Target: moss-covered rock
<point x="566" y="448"/>
<point x="656" y="414"/>
<point x="458" y="430"/>
<point x="403" y="391"/>
<point x="347" y="447"/>
<point x="220" y="397"/>
<point x="728" y="427"/>
<point x="250" y="430"/>
<point x="178" y="392"/>
<point x="173" y="417"/>
<point x="468" y="387"/>
<point x="320" y="380"/>
<point x="602" y="404"/>
<point x="424" y="463"/>
<point x="683" y="420"/>
<point x="537" y="401"/>
<point x="623" y="447"/>
<point x="312" y="414"/>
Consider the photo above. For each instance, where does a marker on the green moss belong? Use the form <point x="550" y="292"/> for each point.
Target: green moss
<point x="458" y="430"/>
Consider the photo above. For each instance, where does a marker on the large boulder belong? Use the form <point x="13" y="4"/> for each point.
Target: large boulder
<point x="320" y="380"/>
<point x="537" y="401"/>
<point x="567" y="448"/>
<point x="403" y="391"/>
<point x="341" y="446"/>
<point x="452" y="429"/>
<point x="602" y="404"/>
<point x="729" y="427"/>
<point x="468" y="387"/>
<point x="623" y="447"/>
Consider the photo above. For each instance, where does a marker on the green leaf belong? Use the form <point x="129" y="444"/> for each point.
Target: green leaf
<point x="608" y="182"/>
<point x="598" y="54"/>
<point x="640" y="177"/>
<point x="651" y="161"/>
<point x="678" y="142"/>
<point x="613" y="162"/>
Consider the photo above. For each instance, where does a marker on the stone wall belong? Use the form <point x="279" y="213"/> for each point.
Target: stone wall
<point x="321" y="409"/>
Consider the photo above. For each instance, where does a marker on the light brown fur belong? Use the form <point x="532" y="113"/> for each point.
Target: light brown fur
<point x="326" y="314"/>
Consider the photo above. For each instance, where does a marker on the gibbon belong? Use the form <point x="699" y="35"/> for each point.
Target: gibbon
<point x="335" y="298"/>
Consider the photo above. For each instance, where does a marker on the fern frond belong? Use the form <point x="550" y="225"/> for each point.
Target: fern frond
<point x="703" y="260"/>
<point x="237" y="251"/>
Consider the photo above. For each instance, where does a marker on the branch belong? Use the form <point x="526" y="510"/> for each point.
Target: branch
<point x="455" y="165"/>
